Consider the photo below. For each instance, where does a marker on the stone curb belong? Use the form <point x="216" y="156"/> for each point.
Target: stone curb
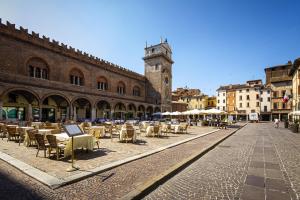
<point x="144" y="189"/>
<point x="55" y="183"/>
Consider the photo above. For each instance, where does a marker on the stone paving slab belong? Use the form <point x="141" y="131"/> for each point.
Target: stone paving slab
<point x="111" y="184"/>
<point x="242" y="170"/>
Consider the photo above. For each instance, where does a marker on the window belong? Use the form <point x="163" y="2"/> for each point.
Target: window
<point x="248" y="105"/>
<point x="269" y="99"/>
<point x="261" y="99"/>
<point x="76" y="77"/>
<point x="223" y="100"/>
<point x="38" y="68"/>
<point x="241" y="105"/>
<point x="136" y="91"/>
<point x="223" y="107"/>
<point x="152" y="50"/>
<point x="283" y="106"/>
<point x="268" y="91"/>
<point x="121" y="88"/>
<point x="156" y="66"/>
<point x="275" y="106"/>
<point x="261" y="92"/>
<point x="218" y="101"/>
<point x="257" y="104"/>
<point x="102" y="84"/>
<point x="265" y="108"/>
<point x="247" y="90"/>
<point x="166" y="80"/>
<point x="248" y="97"/>
<point x="241" y="98"/>
<point x="223" y="94"/>
<point x="240" y="91"/>
<point x="218" y="108"/>
<point x="257" y="96"/>
<point x="282" y="93"/>
<point x="274" y="94"/>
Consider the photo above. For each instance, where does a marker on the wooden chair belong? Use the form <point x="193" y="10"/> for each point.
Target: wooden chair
<point x="129" y="134"/>
<point x="53" y="145"/>
<point x="156" y="130"/>
<point x="41" y="144"/>
<point x="21" y="134"/>
<point x="3" y="131"/>
<point x="12" y="133"/>
<point x="31" y="136"/>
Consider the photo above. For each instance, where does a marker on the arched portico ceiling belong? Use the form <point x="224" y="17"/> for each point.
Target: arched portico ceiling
<point x="103" y="105"/>
<point x="157" y="109"/>
<point x="131" y="107"/>
<point x="149" y="109"/>
<point x="81" y="102"/>
<point x="59" y="100"/>
<point x="120" y="107"/>
<point x="28" y="95"/>
<point x="141" y="108"/>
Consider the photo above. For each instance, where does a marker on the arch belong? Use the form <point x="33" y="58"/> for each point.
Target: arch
<point x="156" y="109"/>
<point x="76" y="77"/>
<point x="120" y="107"/>
<point x="19" y="103"/>
<point x="37" y="67"/>
<point x="56" y="94"/>
<point x="131" y="107"/>
<point x="20" y="89"/>
<point x="102" y="83"/>
<point x="121" y="88"/>
<point x="136" y="91"/>
<point x="141" y="112"/>
<point x="103" y="109"/>
<point x="55" y="107"/>
<point x="149" y="110"/>
<point x="141" y="108"/>
<point x="82" y="109"/>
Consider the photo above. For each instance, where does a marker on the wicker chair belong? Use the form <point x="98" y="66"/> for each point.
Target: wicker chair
<point x="12" y="133"/>
<point x="129" y="134"/>
<point x="31" y="136"/>
<point x="156" y="130"/>
<point x="53" y="145"/>
<point x="183" y="128"/>
<point x="41" y="144"/>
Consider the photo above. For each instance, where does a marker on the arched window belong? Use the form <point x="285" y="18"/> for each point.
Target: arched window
<point x="76" y="77"/>
<point x="38" y="68"/>
<point x="166" y="80"/>
<point x="121" y="88"/>
<point x="136" y="91"/>
<point x="102" y="83"/>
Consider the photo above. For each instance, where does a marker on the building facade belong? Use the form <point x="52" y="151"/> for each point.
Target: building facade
<point x="46" y="80"/>
<point x="279" y="80"/>
<point x="211" y="102"/>
<point x="221" y="98"/>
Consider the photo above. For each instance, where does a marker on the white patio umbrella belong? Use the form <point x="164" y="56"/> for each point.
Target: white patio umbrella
<point x="165" y="113"/>
<point x="214" y="111"/>
<point x="295" y="113"/>
<point x="157" y="113"/>
<point x="176" y="113"/>
<point x="188" y="112"/>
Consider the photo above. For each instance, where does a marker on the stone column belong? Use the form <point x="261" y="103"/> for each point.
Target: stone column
<point x="40" y="113"/>
<point x="68" y="113"/>
<point x="29" y="113"/>
<point x="1" y="109"/>
<point x="93" y="113"/>
<point x="74" y="113"/>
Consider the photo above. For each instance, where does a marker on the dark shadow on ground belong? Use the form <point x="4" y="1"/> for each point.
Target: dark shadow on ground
<point x="10" y="188"/>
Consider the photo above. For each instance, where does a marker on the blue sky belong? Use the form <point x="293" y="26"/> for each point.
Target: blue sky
<point x="214" y="42"/>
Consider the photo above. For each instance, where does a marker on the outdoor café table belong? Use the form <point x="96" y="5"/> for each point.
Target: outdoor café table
<point x="123" y="134"/>
<point x="81" y="141"/>
<point x="97" y="131"/>
<point x="26" y="139"/>
<point x="12" y="125"/>
<point x="36" y="124"/>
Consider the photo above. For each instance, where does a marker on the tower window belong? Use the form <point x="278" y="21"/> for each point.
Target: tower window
<point x="152" y="50"/>
<point x="166" y="80"/>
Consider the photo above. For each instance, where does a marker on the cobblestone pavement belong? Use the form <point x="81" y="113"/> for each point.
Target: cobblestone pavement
<point x="109" y="151"/>
<point x="111" y="184"/>
<point x="257" y="162"/>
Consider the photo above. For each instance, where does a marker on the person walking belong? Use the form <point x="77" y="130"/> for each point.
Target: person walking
<point x="276" y="123"/>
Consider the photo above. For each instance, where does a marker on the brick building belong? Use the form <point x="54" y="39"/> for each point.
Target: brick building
<point x="42" y="79"/>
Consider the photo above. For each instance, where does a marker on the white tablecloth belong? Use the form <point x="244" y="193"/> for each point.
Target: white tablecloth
<point x="81" y="141"/>
<point x="176" y="128"/>
<point x="123" y="134"/>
